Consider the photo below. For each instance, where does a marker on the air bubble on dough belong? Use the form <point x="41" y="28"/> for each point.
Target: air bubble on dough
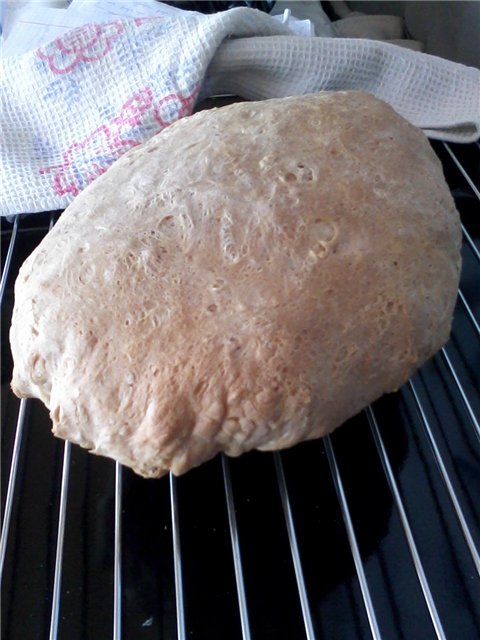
<point x="38" y="368"/>
<point x="324" y="230"/>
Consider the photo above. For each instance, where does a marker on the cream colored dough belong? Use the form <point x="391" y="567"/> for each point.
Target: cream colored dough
<point x="249" y="278"/>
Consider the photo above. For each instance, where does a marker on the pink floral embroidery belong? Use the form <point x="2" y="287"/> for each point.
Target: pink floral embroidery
<point x="139" y="22"/>
<point x="173" y="107"/>
<point x="85" y="44"/>
<point x="83" y="161"/>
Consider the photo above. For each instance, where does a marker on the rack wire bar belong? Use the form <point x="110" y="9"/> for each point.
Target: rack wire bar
<point x="468" y="238"/>
<point x="462" y="170"/>
<point x="8" y="259"/>
<point x="20" y="419"/>
<point x="11" y="483"/>
<point x="466" y="401"/>
<point x="177" y="557"/>
<point x="237" y="559"/>
<point x="297" y="563"/>
<point x="337" y="481"/>
<point x="117" y="557"/>
<point x="57" y="582"/>
<point x="446" y="479"/>
<point x="469" y="311"/>
<point x="432" y="609"/>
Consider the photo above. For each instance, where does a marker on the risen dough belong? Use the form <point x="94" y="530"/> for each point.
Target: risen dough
<point x="249" y="278"/>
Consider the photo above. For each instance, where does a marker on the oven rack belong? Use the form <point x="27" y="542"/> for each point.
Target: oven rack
<point x="414" y="572"/>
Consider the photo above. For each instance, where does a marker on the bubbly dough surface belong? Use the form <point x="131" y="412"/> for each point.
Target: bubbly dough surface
<point x="249" y="278"/>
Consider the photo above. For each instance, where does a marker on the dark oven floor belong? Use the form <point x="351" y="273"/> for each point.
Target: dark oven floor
<point x="373" y="532"/>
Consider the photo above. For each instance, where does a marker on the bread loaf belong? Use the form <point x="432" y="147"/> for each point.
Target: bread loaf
<point x="249" y="278"/>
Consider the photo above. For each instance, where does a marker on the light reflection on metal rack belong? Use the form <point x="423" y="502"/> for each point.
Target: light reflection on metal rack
<point x="471" y="243"/>
<point x="469" y="311"/>
<point x="471" y="316"/>
<point x="462" y="170"/>
<point x="292" y="537"/>
<point x="476" y="192"/>
<point x="8" y="258"/>
<point x="461" y="391"/>
<point x="392" y="483"/>
<point x="446" y="479"/>
<point x="177" y="559"/>
<point x="57" y="581"/>
<point x="237" y="560"/>
<point x="117" y="556"/>
<point x="21" y="412"/>
<point x="11" y="483"/>
<point x="357" y="558"/>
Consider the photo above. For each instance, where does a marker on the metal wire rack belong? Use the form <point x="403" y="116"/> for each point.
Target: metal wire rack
<point x="373" y="532"/>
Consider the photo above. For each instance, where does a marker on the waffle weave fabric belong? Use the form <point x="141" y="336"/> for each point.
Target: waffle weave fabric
<point x="72" y="107"/>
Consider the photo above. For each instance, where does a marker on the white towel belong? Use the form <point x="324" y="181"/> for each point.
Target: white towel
<point x="72" y="107"/>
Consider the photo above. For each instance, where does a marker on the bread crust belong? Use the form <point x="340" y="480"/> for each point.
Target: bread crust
<point x="249" y="278"/>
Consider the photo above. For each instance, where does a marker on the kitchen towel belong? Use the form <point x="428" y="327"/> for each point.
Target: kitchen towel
<point x="73" y="106"/>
